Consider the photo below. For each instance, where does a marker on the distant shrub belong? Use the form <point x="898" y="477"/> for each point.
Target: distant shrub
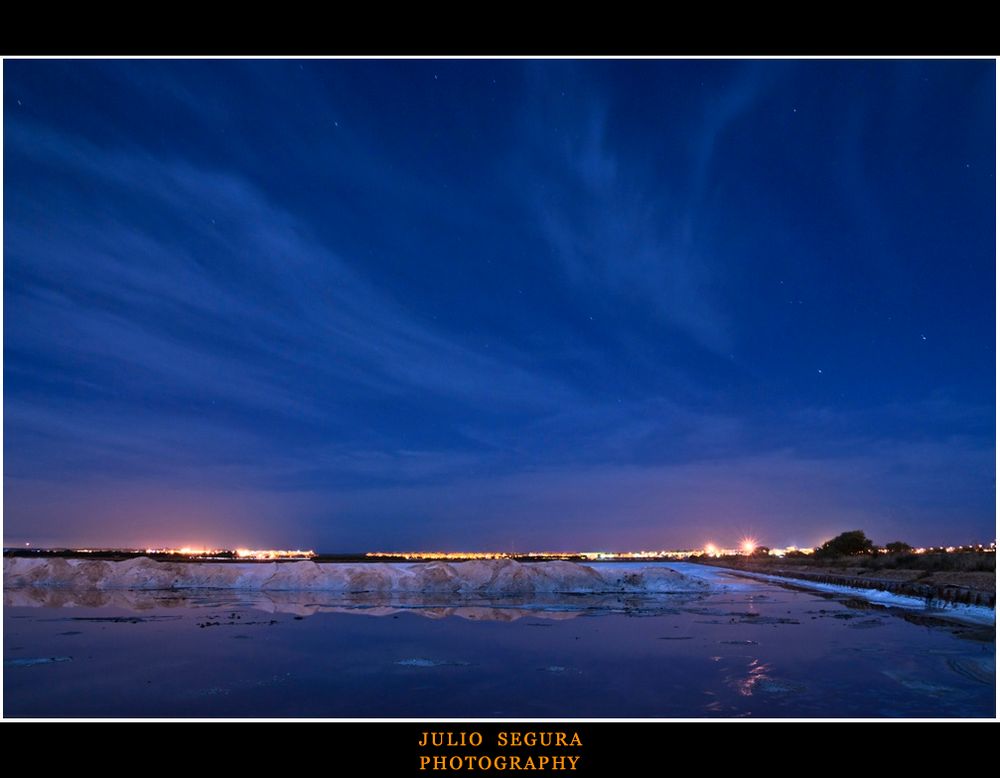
<point x="851" y="543"/>
<point x="967" y="562"/>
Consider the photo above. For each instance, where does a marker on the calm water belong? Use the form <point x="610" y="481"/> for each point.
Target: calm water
<point x="746" y="649"/>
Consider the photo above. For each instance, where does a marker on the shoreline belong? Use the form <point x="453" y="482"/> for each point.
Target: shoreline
<point x="928" y="607"/>
<point x="952" y="587"/>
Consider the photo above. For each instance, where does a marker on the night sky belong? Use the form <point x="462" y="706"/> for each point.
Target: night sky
<point x="512" y="305"/>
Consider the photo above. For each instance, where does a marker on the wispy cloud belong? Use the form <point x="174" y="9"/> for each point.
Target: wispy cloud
<point x="224" y="293"/>
<point x="521" y="298"/>
<point x="617" y="226"/>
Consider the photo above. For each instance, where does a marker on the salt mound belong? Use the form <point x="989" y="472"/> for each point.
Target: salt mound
<point x="478" y="577"/>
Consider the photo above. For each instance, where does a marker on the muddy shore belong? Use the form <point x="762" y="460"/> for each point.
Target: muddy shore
<point x="953" y="586"/>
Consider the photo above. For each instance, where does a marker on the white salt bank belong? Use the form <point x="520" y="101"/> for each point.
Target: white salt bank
<point x="492" y="577"/>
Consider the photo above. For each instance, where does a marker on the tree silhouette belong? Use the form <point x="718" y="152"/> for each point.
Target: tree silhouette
<point x="846" y="544"/>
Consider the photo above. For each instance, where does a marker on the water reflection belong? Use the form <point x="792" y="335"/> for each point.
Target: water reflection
<point x="757" y="650"/>
<point x="756" y="672"/>
<point x="303" y="604"/>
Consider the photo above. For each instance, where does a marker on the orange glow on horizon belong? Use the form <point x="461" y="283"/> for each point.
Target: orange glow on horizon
<point x="249" y="553"/>
<point x="240" y="553"/>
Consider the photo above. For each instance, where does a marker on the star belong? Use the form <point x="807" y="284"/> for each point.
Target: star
<point x="819" y="370"/>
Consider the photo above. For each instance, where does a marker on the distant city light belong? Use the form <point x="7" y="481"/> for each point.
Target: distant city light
<point x="246" y="553"/>
<point x="746" y="547"/>
<point x="782" y="552"/>
<point x="240" y="553"/>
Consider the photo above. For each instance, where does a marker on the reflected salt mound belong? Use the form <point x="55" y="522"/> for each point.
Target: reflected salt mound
<point x="504" y="577"/>
<point x="485" y="590"/>
<point x="432" y="606"/>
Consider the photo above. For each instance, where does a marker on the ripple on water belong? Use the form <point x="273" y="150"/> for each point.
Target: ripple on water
<point x="981" y="669"/>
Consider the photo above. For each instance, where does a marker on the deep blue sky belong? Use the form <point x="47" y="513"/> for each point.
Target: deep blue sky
<point x="359" y="305"/>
